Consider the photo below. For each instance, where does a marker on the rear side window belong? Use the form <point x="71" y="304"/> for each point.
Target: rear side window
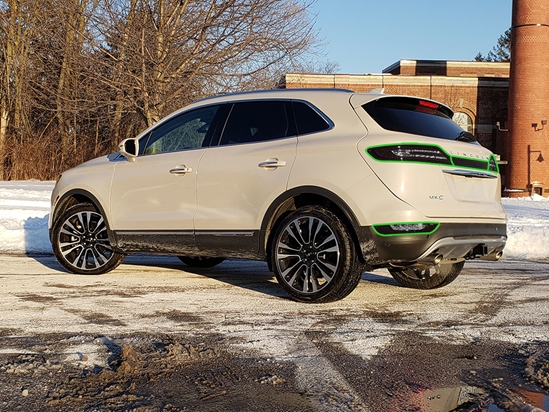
<point x="416" y="116"/>
<point x="257" y="121"/>
<point x="308" y="120"/>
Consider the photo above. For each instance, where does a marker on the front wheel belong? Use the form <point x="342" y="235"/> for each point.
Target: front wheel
<point x="314" y="256"/>
<point x="80" y="241"/>
<point x="427" y="278"/>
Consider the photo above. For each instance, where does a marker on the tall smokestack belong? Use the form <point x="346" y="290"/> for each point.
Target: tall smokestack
<point x="527" y="145"/>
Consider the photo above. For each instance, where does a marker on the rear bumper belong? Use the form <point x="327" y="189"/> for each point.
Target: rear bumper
<point x="450" y="242"/>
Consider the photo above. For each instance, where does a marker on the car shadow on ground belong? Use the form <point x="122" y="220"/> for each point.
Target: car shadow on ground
<point x="379" y="278"/>
<point x="47" y="260"/>
<point x="246" y="274"/>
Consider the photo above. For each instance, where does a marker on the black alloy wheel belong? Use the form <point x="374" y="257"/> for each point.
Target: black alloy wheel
<point x="431" y="277"/>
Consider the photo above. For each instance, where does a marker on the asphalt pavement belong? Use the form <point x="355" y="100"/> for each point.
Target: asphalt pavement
<point x="483" y="339"/>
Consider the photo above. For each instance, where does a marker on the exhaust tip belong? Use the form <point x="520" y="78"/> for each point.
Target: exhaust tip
<point x="493" y="256"/>
<point x="430" y="260"/>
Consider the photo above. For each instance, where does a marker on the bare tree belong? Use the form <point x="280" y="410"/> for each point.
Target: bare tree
<point x="17" y="25"/>
<point x="73" y="26"/>
<point x="166" y="53"/>
<point x="77" y="76"/>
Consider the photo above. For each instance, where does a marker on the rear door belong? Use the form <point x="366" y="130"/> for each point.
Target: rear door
<point x="428" y="161"/>
<point x="241" y="177"/>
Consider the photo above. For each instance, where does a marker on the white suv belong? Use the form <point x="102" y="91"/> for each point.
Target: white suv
<point x="322" y="184"/>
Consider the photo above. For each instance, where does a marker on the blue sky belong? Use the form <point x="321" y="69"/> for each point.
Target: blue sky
<point x="366" y="36"/>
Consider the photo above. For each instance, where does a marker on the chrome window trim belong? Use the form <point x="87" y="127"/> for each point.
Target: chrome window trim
<point x="471" y="173"/>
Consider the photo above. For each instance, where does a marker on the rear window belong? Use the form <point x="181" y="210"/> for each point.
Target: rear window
<point x="257" y="121"/>
<point x="416" y="116"/>
<point x="308" y="120"/>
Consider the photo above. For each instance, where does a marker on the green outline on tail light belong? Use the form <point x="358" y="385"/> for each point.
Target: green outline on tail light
<point x="451" y="158"/>
<point x="423" y="232"/>
<point x="496" y="164"/>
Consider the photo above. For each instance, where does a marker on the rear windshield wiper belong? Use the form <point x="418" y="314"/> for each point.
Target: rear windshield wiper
<point x="466" y="137"/>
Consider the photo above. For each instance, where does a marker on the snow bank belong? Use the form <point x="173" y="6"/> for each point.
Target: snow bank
<point x="527" y="228"/>
<point x="24" y="211"/>
<point x="25" y="206"/>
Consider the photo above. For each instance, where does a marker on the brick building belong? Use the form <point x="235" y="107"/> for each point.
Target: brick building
<point x="476" y="91"/>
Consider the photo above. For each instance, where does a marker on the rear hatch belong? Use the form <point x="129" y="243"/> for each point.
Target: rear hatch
<point x="427" y="160"/>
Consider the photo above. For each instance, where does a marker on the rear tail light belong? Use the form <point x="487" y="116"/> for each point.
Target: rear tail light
<point x="410" y="153"/>
<point x="417" y="153"/>
<point x="493" y="164"/>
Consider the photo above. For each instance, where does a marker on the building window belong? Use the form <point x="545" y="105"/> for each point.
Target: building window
<point x="464" y="121"/>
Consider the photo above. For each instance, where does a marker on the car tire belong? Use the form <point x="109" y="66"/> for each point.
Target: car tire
<point x="201" y="261"/>
<point x="432" y="277"/>
<point x="313" y="256"/>
<point x="80" y="241"/>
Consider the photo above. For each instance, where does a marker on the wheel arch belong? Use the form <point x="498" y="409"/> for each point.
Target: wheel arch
<point x="74" y="197"/>
<point x="306" y="196"/>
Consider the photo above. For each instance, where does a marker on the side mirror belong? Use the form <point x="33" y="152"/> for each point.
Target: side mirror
<point x="129" y="148"/>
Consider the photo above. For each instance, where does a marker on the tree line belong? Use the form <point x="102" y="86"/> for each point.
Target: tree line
<point x="78" y="76"/>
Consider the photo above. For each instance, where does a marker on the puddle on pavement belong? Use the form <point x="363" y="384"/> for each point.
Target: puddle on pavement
<point x="454" y="399"/>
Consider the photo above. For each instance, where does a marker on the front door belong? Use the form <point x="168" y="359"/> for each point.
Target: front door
<point x="153" y="199"/>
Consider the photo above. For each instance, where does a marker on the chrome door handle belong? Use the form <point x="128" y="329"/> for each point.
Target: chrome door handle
<point x="272" y="163"/>
<point x="181" y="170"/>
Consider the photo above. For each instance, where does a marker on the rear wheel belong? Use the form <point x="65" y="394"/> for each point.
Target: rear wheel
<point x="200" y="261"/>
<point x="80" y="241"/>
<point x="427" y="278"/>
<point x="314" y="257"/>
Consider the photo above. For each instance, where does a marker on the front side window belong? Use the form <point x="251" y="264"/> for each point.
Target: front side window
<point x="416" y="116"/>
<point x="188" y="130"/>
<point x="257" y="121"/>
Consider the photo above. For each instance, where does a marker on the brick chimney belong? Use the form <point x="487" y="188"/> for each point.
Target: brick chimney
<point x="527" y="145"/>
